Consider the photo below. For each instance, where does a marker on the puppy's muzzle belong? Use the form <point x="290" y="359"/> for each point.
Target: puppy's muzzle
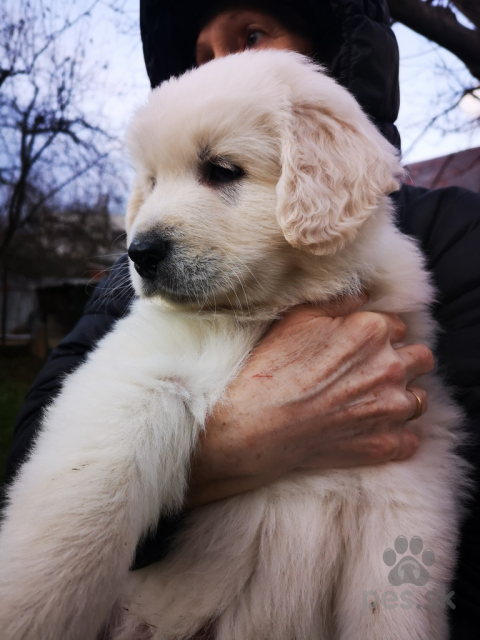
<point x="147" y="255"/>
<point x="172" y="268"/>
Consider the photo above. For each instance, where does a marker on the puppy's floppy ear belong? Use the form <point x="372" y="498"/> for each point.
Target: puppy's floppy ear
<point x="134" y="203"/>
<point x="335" y="168"/>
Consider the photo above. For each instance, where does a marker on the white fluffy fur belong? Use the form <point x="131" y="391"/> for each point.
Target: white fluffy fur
<point x="289" y="561"/>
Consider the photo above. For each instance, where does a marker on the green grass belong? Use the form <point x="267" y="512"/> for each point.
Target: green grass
<point x="17" y="372"/>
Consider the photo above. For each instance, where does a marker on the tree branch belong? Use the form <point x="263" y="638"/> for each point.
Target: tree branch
<point x="11" y="72"/>
<point x="58" y="188"/>
<point x="470" y="9"/>
<point x="440" y="25"/>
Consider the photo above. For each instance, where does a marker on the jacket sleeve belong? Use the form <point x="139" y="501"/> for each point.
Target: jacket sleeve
<point x="447" y="224"/>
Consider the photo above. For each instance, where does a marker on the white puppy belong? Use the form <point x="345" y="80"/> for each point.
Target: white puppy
<point x="260" y="185"/>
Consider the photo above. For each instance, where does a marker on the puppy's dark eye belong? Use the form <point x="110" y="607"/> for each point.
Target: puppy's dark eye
<point x="216" y="173"/>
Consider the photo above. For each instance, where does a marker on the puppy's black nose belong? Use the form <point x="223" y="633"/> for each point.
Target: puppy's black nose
<point x="146" y="255"/>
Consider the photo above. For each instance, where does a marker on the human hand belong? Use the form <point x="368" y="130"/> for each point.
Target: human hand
<point x="325" y="388"/>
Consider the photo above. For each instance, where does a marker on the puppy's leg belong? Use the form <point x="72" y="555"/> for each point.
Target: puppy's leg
<point x="402" y="593"/>
<point x="113" y="451"/>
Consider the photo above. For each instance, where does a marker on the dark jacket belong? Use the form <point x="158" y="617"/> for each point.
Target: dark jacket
<point x="446" y="223"/>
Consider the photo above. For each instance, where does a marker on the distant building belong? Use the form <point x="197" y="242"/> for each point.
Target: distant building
<point x="460" y="169"/>
<point x="41" y="309"/>
<point x="45" y="310"/>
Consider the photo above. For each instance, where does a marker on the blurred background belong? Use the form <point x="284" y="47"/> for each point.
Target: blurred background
<point x="72" y="74"/>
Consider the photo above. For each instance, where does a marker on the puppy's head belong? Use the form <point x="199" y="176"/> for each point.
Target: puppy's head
<point x="253" y="173"/>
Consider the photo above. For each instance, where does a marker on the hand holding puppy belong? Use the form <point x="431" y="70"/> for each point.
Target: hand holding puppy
<point x="325" y="388"/>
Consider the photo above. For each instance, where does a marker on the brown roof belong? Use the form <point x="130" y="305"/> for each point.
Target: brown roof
<point x="460" y="169"/>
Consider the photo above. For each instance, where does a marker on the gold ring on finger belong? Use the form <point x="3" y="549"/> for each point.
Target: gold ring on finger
<point x="419" y="407"/>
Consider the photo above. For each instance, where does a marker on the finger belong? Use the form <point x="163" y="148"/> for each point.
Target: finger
<point x="407" y="446"/>
<point x="397" y="329"/>
<point x="412" y="392"/>
<point x="399" y="444"/>
<point x="371" y="449"/>
<point x="418" y="360"/>
<point x="382" y="325"/>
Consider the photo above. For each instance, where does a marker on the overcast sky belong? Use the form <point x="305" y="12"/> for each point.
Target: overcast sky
<point x="424" y="84"/>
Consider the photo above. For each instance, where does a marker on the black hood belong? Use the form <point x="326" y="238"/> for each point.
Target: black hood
<point x="366" y="62"/>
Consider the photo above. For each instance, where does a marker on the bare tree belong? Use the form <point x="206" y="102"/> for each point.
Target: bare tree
<point x="46" y="141"/>
<point x="453" y="25"/>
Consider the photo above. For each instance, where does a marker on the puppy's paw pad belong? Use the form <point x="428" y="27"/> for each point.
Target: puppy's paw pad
<point x="408" y="570"/>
